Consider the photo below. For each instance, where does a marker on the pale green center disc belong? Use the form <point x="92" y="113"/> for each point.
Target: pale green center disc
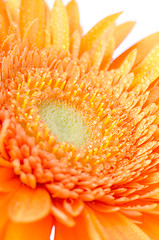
<point x="65" y="122"/>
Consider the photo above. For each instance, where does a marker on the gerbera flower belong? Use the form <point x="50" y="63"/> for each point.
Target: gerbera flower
<point x="78" y="131"/>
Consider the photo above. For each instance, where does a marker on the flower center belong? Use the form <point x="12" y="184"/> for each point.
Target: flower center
<point x="65" y="122"/>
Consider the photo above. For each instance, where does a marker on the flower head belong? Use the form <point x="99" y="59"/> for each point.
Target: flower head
<point x="78" y="130"/>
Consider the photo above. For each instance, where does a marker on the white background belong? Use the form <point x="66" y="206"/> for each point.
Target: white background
<point x="144" y="12"/>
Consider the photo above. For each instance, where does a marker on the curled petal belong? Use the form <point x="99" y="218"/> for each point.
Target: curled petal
<point x="61" y="215"/>
<point x="74" y="207"/>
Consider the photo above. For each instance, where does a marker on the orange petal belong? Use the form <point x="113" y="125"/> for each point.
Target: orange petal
<point x="73" y="16"/>
<point x="91" y="225"/>
<point x="5" y="163"/>
<point x="9" y="186"/>
<point x="122" y="31"/>
<point x="28" y="205"/>
<point x="40" y="10"/>
<point x="127" y="65"/>
<point x="6" y="122"/>
<point x="108" y="55"/>
<point x="4" y="197"/>
<point x="39" y="230"/>
<point x="150" y="226"/>
<point x="3" y="32"/>
<point x="29" y="11"/>
<point x="75" y="41"/>
<point x="153" y="96"/>
<point x="143" y="48"/>
<point x="97" y="51"/>
<point x="101" y="207"/>
<point x="89" y="39"/>
<point x="149" y="63"/>
<point x="61" y="215"/>
<point x="26" y="15"/>
<point x="62" y="232"/>
<point x="87" y="228"/>
<point x="74" y="207"/>
<point x="6" y="174"/>
<point x="48" y="28"/>
<point x="4" y="14"/>
<point x="3" y="211"/>
<point x="155" y="210"/>
<point x="60" y="26"/>
<point x="13" y="7"/>
<point x="119" y="227"/>
<point x="31" y="32"/>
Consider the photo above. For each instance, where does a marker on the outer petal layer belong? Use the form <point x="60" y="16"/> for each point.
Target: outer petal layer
<point x="143" y="48"/>
<point x="119" y="227"/>
<point x="150" y="225"/>
<point x="29" y="205"/>
<point x="40" y="230"/>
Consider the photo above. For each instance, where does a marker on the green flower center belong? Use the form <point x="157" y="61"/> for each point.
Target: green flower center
<point x="65" y="122"/>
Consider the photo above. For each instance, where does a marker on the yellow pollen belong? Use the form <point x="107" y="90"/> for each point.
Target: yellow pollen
<point x="94" y="95"/>
<point x="63" y="85"/>
<point x="84" y="98"/>
<point x="49" y="83"/>
<point x="25" y="103"/>
<point x="57" y="82"/>
<point x="107" y="120"/>
<point x="41" y="85"/>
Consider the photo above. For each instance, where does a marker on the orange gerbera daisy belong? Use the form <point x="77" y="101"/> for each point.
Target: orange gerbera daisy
<point x="79" y="145"/>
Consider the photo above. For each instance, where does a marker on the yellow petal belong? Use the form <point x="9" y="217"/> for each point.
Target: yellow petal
<point x="3" y="31"/>
<point x="31" y="32"/>
<point x="128" y="63"/>
<point x="89" y="39"/>
<point x="27" y="14"/>
<point x="29" y="11"/>
<point x="97" y="51"/>
<point x="48" y="28"/>
<point x="28" y="205"/>
<point x="122" y="31"/>
<point x="73" y="16"/>
<point x="143" y="48"/>
<point x="149" y="63"/>
<point x="40" y="10"/>
<point x="60" y="26"/>
<point x="75" y="44"/>
<point x="4" y="14"/>
<point x="108" y="55"/>
<point x="13" y="9"/>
